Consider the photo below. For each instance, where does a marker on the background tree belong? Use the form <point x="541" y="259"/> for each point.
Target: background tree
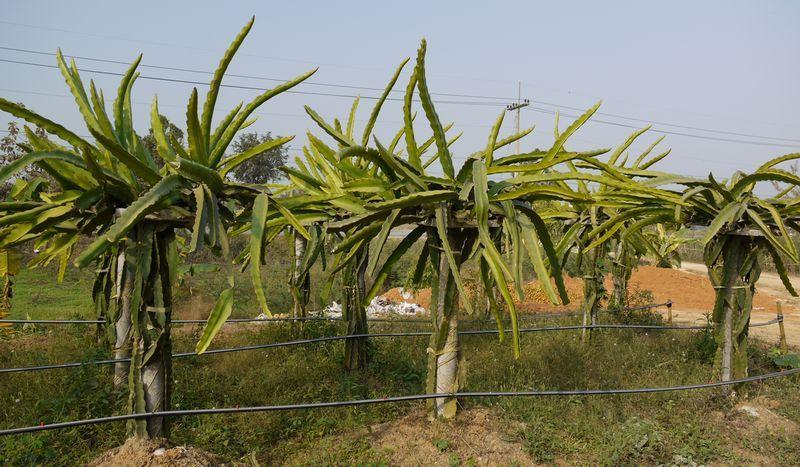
<point x="264" y="166"/>
<point x="171" y="131"/>
<point x="12" y="147"/>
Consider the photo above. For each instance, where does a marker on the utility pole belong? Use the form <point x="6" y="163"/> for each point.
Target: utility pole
<point x="518" y="105"/>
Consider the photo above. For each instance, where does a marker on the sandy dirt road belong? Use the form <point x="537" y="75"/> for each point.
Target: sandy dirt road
<point x="769" y="284"/>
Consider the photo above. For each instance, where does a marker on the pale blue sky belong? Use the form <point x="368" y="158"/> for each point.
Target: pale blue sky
<point x="723" y="65"/>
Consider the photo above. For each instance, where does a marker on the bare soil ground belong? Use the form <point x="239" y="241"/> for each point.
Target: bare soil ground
<point x="482" y="436"/>
<point x="768" y="291"/>
<point x="752" y="419"/>
<point x="688" y="288"/>
<point x="142" y="453"/>
<point x="477" y="435"/>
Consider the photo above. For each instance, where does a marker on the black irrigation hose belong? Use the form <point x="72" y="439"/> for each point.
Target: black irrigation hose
<point x="368" y="335"/>
<point x="318" y="318"/>
<point x="351" y="403"/>
<point x="52" y="321"/>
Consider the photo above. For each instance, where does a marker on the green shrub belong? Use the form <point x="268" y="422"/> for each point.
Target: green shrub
<point x="637" y="298"/>
<point x="703" y="346"/>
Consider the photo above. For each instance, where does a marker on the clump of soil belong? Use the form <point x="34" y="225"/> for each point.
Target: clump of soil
<point x="476" y="435"/>
<point x="753" y="418"/>
<point x="148" y="453"/>
<point x="757" y="414"/>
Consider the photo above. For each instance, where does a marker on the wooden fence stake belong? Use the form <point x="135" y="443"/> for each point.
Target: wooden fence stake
<point x="783" y="346"/>
<point x="669" y="311"/>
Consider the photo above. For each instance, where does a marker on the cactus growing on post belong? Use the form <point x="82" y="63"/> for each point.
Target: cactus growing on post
<point x="113" y="190"/>
<point x="463" y="214"/>
<point x="740" y="228"/>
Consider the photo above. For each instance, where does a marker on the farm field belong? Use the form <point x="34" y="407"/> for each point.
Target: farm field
<point x="282" y="243"/>
<point x="689" y="426"/>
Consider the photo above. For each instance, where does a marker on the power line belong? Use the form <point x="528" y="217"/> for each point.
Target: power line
<point x="666" y="132"/>
<point x="656" y="122"/>
<point x="489" y="104"/>
<point x="656" y="106"/>
<point x="385" y="400"/>
<point x="294" y="60"/>
<point x="251" y="88"/>
<point x="316" y="62"/>
<point x="183" y="106"/>
<point x="344" y="86"/>
<point x="217" y="51"/>
<point x="535" y="109"/>
<point x="474" y="103"/>
<point x="234" y="75"/>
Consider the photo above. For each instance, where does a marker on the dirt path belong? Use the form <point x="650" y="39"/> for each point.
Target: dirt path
<point x="768" y="284"/>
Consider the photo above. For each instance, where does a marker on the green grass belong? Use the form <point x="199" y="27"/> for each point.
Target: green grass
<point x="38" y="295"/>
<point x="610" y="430"/>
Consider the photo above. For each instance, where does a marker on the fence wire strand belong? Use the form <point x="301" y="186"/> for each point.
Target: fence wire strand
<point x="370" y="335"/>
<point x="385" y="400"/>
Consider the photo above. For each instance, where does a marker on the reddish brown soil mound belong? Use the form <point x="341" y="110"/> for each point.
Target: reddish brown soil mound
<point x="689" y="291"/>
<point x="421" y="297"/>
<point x="476" y="437"/>
<point x="144" y="453"/>
<point x="535" y="298"/>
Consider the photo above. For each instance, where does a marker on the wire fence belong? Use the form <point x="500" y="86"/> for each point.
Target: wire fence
<point x="360" y="402"/>
<point x="373" y="335"/>
<point x="387" y="400"/>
